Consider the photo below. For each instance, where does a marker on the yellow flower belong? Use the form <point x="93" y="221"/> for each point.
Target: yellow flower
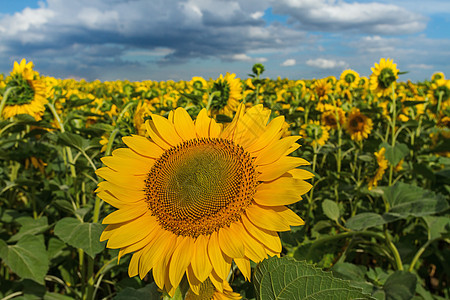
<point x="322" y="88"/>
<point x="383" y="77"/>
<point x="27" y="92"/>
<point x="349" y="78"/>
<point x="358" y="125"/>
<point x="329" y="118"/>
<point x="227" y="94"/>
<point x="314" y="133"/>
<point x="195" y="197"/>
<point x="437" y="75"/>
<point x="207" y="291"/>
<point x="382" y="166"/>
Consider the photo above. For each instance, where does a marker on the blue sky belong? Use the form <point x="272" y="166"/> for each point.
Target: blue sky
<point x="167" y="39"/>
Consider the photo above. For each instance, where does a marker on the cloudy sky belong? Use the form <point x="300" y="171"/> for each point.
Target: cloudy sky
<point x="167" y="39"/>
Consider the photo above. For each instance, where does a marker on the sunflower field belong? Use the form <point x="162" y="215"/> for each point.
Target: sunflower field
<point x="227" y="188"/>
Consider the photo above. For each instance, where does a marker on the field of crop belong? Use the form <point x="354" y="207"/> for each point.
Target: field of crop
<point x="376" y="220"/>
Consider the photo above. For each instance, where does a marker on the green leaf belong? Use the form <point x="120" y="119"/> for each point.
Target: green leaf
<point x="150" y="291"/>
<point x="80" y="235"/>
<point x="437" y="226"/>
<point x="331" y="209"/>
<point x="401" y="285"/>
<point x="56" y="296"/>
<point x="367" y="220"/>
<point x="28" y="258"/>
<point x="409" y="200"/>
<point x="395" y="154"/>
<point x="30" y="226"/>
<point x="286" y="278"/>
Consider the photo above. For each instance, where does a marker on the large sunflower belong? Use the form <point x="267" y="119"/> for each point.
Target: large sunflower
<point x="358" y="125"/>
<point x="383" y="77"/>
<point x="26" y="92"/>
<point x="226" y="91"/>
<point x="196" y="197"/>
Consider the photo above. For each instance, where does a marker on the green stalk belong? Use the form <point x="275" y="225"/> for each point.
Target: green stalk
<point x="393" y="121"/>
<point x="419" y="253"/>
<point x="210" y="99"/>
<point x="394" y="250"/>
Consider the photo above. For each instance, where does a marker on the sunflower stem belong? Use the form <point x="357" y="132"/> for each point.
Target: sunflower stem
<point x="210" y="99"/>
<point x="394" y="250"/>
<point x="394" y="118"/>
<point x="419" y="253"/>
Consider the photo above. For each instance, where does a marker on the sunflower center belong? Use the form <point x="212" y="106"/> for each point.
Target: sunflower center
<point x="200" y="186"/>
<point x="357" y="123"/>
<point x="386" y="78"/>
<point x="349" y="78"/>
<point x="21" y="93"/>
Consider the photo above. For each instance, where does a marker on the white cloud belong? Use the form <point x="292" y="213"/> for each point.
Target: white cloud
<point x="245" y="57"/>
<point x="323" y="63"/>
<point x="289" y="62"/>
<point x="420" y="66"/>
<point x="330" y="15"/>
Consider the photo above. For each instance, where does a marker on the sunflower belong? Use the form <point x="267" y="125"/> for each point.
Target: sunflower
<point x="314" y="133"/>
<point x="383" y="77"/>
<point x="26" y="92"/>
<point x="207" y="291"/>
<point x="196" y="197"/>
<point x="358" y="125"/>
<point x="329" y="119"/>
<point x="349" y="79"/>
<point x="382" y="166"/>
<point x="226" y="93"/>
<point x="437" y="76"/>
<point x="321" y="88"/>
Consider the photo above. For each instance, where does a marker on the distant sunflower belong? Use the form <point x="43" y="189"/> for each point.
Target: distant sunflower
<point x="329" y="119"/>
<point x="437" y="76"/>
<point x="382" y="166"/>
<point x="228" y="93"/>
<point x="207" y="291"/>
<point x="349" y="78"/>
<point x="322" y="88"/>
<point x="358" y="125"/>
<point x="195" y="197"/>
<point x="383" y="77"/>
<point x="314" y="133"/>
<point x="26" y="92"/>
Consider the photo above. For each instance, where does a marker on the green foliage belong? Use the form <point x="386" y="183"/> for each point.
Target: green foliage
<point x="285" y="278"/>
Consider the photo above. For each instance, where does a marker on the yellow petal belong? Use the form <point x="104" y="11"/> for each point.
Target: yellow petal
<point x="136" y="182"/>
<point x="161" y="268"/>
<point x="251" y="125"/>
<point x="273" y="171"/>
<point x="244" y="266"/>
<point x="184" y="125"/>
<point x="201" y="266"/>
<point x="108" y="232"/>
<point x="143" y="146"/>
<point x="194" y="283"/>
<point x="220" y="261"/>
<point x="300" y="174"/>
<point x="217" y="281"/>
<point x="269" y="238"/>
<point x="214" y="129"/>
<point x="267" y="217"/>
<point x="268" y="136"/>
<point x="202" y="124"/>
<point x="141" y="244"/>
<point x="110" y="199"/>
<point x="128" y="196"/>
<point x="166" y="130"/>
<point x="153" y="252"/>
<point x="126" y="213"/>
<point x="133" y="268"/>
<point x="132" y="231"/>
<point x="181" y="258"/>
<point x="276" y="150"/>
<point x="153" y="133"/>
<point x="230" y="242"/>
